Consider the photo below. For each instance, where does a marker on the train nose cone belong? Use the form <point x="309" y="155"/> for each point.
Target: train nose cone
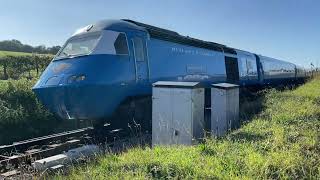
<point x="67" y="102"/>
<point x="79" y="101"/>
<point x="52" y="98"/>
<point x="61" y="97"/>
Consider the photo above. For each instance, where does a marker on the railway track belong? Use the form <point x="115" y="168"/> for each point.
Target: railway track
<point x="19" y="156"/>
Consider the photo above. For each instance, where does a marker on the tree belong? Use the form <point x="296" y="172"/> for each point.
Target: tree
<point x="53" y="49"/>
<point x="16" y="45"/>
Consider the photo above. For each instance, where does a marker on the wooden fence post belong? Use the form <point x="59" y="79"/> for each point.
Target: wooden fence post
<point x="5" y="66"/>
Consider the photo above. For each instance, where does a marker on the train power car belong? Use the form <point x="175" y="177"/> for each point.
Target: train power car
<point x="105" y="71"/>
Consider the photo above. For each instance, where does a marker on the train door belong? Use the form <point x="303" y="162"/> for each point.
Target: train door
<point x="260" y="69"/>
<point x="140" y="58"/>
<point x="232" y="70"/>
<point x="141" y="103"/>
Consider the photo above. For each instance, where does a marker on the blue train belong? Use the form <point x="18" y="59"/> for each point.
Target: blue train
<point x="105" y="71"/>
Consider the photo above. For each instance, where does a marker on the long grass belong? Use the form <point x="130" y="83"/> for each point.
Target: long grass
<point x="281" y="142"/>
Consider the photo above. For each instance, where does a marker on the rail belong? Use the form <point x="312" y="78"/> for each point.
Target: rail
<point x="17" y="157"/>
<point x="24" y="152"/>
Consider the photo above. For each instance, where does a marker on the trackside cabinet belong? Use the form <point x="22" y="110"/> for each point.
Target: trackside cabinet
<point x="177" y="112"/>
<point x="224" y="108"/>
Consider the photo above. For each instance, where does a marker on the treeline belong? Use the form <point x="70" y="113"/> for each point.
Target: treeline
<point x="17" y="46"/>
<point x="27" y="66"/>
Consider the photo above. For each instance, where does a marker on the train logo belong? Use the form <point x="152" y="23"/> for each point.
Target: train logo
<point x="60" y="67"/>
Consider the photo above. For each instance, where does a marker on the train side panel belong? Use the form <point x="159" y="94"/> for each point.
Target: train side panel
<point x="177" y="62"/>
<point x="277" y="71"/>
<point x="300" y="72"/>
<point x="248" y="69"/>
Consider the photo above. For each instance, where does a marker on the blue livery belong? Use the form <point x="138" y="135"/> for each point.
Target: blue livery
<point x="105" y="71"/>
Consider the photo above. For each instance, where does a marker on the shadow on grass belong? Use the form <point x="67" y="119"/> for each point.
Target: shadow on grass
<point x="251" y="103"/>
<point x="246" y="136"/>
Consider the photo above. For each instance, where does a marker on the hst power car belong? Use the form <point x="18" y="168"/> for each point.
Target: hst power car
<point x="105" y="71"/>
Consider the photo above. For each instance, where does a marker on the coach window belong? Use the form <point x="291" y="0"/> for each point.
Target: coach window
<point x="139" y="49"/>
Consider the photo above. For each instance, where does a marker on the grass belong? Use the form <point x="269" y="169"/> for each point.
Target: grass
<point x="281" y="142"/>
<point x="12" y="53"/>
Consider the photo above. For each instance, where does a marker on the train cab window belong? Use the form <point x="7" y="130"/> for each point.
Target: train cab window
<point x="139" y="49"/>
<point x="114" y="43"/>
<point x="77" y="46"/>
<point x="121" y="45"/>
<point x="105" y="42"/>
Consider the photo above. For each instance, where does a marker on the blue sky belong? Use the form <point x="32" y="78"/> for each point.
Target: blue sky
<point x="284" y="29"/>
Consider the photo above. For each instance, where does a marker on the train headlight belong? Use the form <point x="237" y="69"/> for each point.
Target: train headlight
<point x="72" y="79"/>
<point x="80" y="78"/>
<point x="75" y="78"/>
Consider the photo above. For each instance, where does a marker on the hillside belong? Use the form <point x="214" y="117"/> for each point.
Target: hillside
<point x="281" y="142"/>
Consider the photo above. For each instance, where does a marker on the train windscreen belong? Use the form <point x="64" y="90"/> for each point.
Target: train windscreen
<point x="79" y="46"/>
<point x="105" y="42"/>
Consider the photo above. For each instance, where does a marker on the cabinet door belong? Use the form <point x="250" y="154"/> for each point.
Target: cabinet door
<point x="219" y="125"/>
<point x="161" y="116"/>
<point x="182" y="116"/>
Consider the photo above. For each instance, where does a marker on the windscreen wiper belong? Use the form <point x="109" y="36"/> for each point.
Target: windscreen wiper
<point x="66" y="54"/>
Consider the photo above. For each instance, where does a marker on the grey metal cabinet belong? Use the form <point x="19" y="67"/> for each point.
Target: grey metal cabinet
<point x="224" y="108"/>
<point x="177" y="112"/>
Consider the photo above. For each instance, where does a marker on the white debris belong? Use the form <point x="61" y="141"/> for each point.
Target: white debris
<point x="66" y="158"/>
<point x="48" y="162"/>
<point x="60" y="166"/>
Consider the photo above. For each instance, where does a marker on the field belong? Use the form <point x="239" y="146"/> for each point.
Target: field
<point x="11" y="53"/>
<point x="16" y="65"/>
<point x="280" y="142"/>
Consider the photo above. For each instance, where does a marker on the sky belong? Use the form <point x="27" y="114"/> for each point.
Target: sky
<point x="283" y="29"/>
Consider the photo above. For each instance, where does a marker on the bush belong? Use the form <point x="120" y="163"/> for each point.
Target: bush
<point x="21" y="115"/>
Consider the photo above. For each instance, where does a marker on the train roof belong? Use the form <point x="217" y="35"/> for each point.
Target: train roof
<point x="157" y="33"/>
<point x="108" y="24"/>
<point x="172" y="36"/>
<point x="160" y="33"/>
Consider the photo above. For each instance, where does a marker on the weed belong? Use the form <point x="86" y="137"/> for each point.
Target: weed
<point x="282" y="141"/>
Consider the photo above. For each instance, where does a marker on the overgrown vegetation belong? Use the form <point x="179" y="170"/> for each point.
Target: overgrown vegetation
<point x="281" y="142"/>
<point x="22" y="116"/>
